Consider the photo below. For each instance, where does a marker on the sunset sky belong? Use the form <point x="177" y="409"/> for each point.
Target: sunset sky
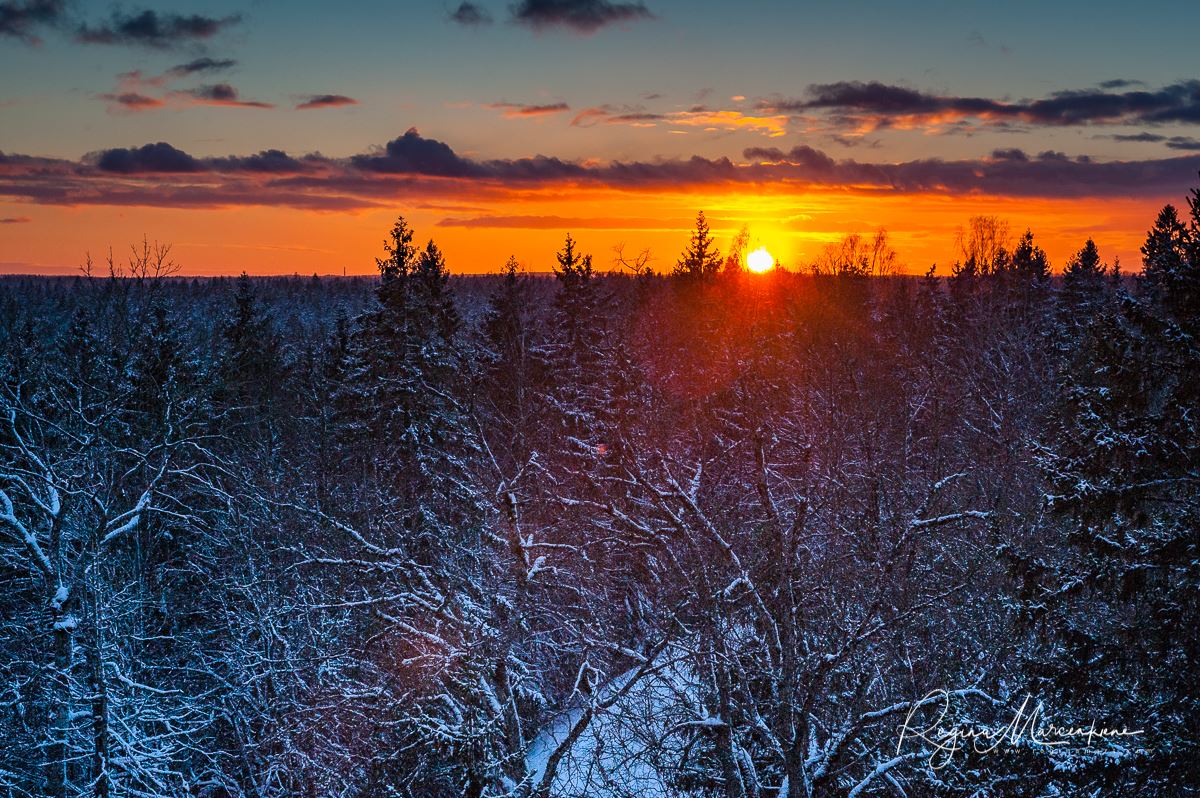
<point x="285" y="137"/>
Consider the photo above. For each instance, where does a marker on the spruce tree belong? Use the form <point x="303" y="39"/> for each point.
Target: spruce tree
<point x="701" y="259"/>
<point x="1028" y="261"/>
<point x="251" y="364"/>
<point x="1122" y="467"/>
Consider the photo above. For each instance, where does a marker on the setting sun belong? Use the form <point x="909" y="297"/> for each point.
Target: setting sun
<point x="760" y="261"/>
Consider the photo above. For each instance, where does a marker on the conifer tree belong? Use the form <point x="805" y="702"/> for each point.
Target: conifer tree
<point x="512" y="367"/>
<point x="1028" y="261"/>
<point x="1083" y="279"/>
<point x="701" y="259"/>
<point x="251" y="364"/>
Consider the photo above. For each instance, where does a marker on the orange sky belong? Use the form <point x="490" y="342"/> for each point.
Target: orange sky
<point x="286" y="138"/>
<point x="479" y="238"/>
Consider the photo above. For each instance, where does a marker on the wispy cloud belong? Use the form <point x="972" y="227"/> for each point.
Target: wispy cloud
<point x="699" y="116"/>
<point x="1186" y="143"/>
<point x="138" y="92"/>
<point x="470" y="15"/>
<point x="201" y="66"/>
<point x="131" y="101"/>
<point x="875" y="104"/>
<point x="220" y="94"/>
<point x="325" y="101"/>
<point x="522" y="110"/>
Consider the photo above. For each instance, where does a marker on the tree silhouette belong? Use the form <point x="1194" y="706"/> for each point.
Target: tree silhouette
<point x="701" y="258"/>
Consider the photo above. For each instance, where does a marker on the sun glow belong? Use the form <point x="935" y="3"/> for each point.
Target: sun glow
<point x="760" y="261"/>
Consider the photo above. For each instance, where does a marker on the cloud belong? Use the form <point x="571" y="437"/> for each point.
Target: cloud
<point x="518" y="110"/>
<point x="131" y="101"/>
<point x="201" y="65"/>
<point x="881" y="104"/>
<point x="21" y="18"/>
<point x="265" y="162"/>
<point x="700" y="116"/>
<point x="568" y="223"/>
<point x="15" y="220"/>
<point x="590" y="116"/>
<point x="580" y="16"/>
<point x="979" y="40"/>
<point x="138" y="92"/>
<point x="1152" y="137"/>
<point x="414" y="154"/>
<point x="149" y="28"/>
<point x="221" y="94"/>
<point x="708" y="119"/>
<point x="147" y="159"/>
<point x="814" y="161"/>
<point x="162" y="158"/>
<point x="1009" y="154"/>
<point x="1186" y="143"/>
<point x="471" y="15"/>
<point x="414" y="168"/>
<point x="325" y="101"/>
<point x="1010" y="173"/>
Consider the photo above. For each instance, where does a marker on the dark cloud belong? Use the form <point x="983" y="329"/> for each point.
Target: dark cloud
<point x="150" y="28"/>
<point x="325" y="101"/>
<point x="420" y="168"/>
<point x="804" y="156"/>
<point x="636" y="116"/>
<point x="581" y="16"/>
<point x="1185" y="143"/>
<point x="1148" y="137"/>
<point x="162" y="158"/>
<point x="15" y="220"/>
<point x="1177" y="102"/>
<point x="147" y="159"/>
<point x="516" y="110"/>
<point x="266" y="162"/>
<point x="201" y="66"/>
<point x="1010" y="154"/>
<point x="413" y="154"/>
<point x="222" y="94"/>
<point x="1007" y="173"/>
<point x="21" y="19"/>
<point x="471" y="15"/>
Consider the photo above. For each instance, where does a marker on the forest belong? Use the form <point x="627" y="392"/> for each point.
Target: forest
<point x="606" y="533"/>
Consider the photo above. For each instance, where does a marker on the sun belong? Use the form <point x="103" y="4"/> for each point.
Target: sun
<point x="760" y="261"/>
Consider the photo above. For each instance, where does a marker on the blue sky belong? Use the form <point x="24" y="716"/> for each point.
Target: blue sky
<point x="661" y="81"/>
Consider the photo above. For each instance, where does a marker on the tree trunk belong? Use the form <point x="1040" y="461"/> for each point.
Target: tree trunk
<point x="99" y="690"/>
<point x="57" y="752"/>
<point x="728" y="759"/>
